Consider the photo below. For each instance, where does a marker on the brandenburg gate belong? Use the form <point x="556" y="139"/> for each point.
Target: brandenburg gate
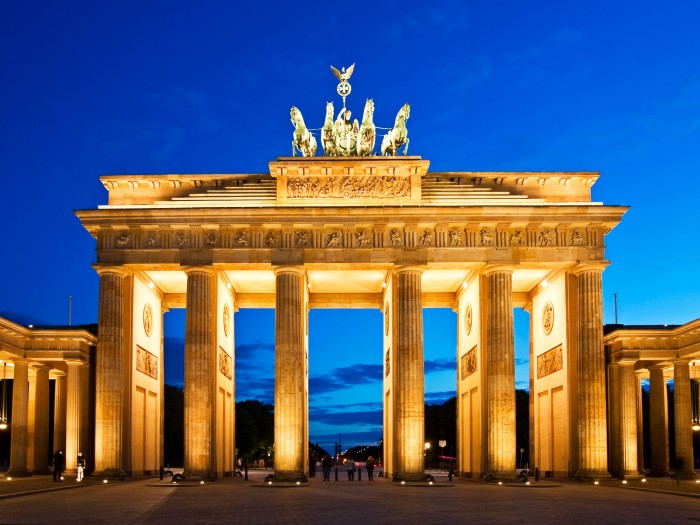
<point x="354" y="232"/>
<point x="354" y="229"/>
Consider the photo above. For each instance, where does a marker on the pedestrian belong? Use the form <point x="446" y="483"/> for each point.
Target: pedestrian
<point x="351" y="469"/>
<point x="370" y="468"/>
<point x="57" y="465"/>
<point x="80" y="463"/>
<point x="326" y="464"/>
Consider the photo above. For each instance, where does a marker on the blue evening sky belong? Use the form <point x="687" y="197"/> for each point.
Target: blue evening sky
<point x="91" y="88"/>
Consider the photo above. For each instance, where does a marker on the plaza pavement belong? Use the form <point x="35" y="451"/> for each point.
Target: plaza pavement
<point x="38" y="500"/>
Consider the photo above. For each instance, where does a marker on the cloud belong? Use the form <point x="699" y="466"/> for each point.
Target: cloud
<point x="346" y="417"/>
<point x="345" y="377"/>
<point x="438" y="365"/>
<point x="519" y="361"/>
<point x="436" y="398"/>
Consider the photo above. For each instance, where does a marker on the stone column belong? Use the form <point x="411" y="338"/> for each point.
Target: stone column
<point x="614" y="396"/>
<point x="591" y="396"/>
<point x="500" y="373"/>
<point x="658" y="421"/>
<point x="627" y="414"/>
<point x="41" y="421"/>
<point x="109" y="375"/>
<point x="76" y="414"/>
<point x="20" y="404"/>
<point x="31" y="403"/>
<point x="640" y="421"/>
<point x="200" y="370"/>
<point x="290" y="392"/>
<point x="59" y="412"/>
<point x="409" y="399"/>
<point x="682" y="420"/>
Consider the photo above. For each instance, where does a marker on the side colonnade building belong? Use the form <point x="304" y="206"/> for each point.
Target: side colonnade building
<point x="52" y="373"/>
<point x="355" y="232"/>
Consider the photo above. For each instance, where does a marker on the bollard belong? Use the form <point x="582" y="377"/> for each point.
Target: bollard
<point x="246" y="471"/>
<point x="336" y="472"/>
<point x="537" y="474"/>
<point x="449" y="476"/>
<point x="359" y="472"/>
<point x="162" y="472"/>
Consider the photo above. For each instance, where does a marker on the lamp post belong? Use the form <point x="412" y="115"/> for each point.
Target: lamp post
<point x="521" y="456"/>
<point x="3" y="414"/>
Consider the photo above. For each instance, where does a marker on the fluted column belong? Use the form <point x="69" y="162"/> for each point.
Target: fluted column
<point x="30" y="420"/>
<point x="658" y="421"/>
<point x="41" y="421"/>
<point x="59" y="411"/>
<point x="76" y="414"/>
<point x="290" y="390"/>
<point x="20" y="404"/>
<point x="683" y="418"/>
<point x="500" y="373"/>
<point x="591" y="396"/>
<point x="409" y="399"/>
<point x="628" y="419"/>
<point x="200" y="369"/>
<point x="109" y="374"/>
<point x="640" y="420"/>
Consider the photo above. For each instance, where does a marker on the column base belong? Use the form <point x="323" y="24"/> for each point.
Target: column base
<point x="42" y="471"/>
<point x="411" y="477"/>
<point x="198" y="475"/>
<point x="630" y="475"/>
<point x="18" y="473"/>
<point x="659" y="474"/>
<point x="287" y="476"/>
<point x="497" y="475"/>
<point x="111" y="473"/>
<point x="592" y="475"/>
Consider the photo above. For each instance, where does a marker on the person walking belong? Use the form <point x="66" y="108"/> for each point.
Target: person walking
<point x="370" y="468"/>
<point x="326" y="464"/>
<point x="57" y="465"/>
<point x="81" y="466"/>
<point x="351" y="469"/>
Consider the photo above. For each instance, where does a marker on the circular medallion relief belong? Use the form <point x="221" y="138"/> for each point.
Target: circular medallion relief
<point x="147" y="319"/>
<point x="547" y="317"/>
<point x="468" y="319"/>
<point x="386" y="319"/>
<point x="227" y="319"/>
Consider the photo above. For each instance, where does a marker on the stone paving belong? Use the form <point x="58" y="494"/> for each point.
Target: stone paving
<point x="234" y="500"/>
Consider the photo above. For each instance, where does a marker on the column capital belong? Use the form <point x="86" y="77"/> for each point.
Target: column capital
<point x="596" y="266"/>
<point x="115" y="270"/>
<point x="41" y="366"/>
<point x="209" y="270"/>
<point x="681" y="361"/>
<point x="408" y="268"/>
<point x="497" y="267"/>
<point x="299" y="270"/>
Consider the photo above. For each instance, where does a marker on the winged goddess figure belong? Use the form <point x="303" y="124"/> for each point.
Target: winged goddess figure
<point x="343" y="75"/>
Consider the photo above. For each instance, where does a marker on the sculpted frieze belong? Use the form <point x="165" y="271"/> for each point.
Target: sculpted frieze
<point x="180" y="240"/>
<point x="549" y="362"/>
<point x="545" y="238"/>
<point x="456" y="238"/>
<point x="225" y="367"/>
<point x="211" y="239"/>
<point x="516" y="238"/>
<point x="427" y="238"/>
<point x="302" y="239"/>
<point x="123" y="240"/>
<point x="240" y="238"/>
<point x="334" y="240"/>
<point x="486" y="238"/>
<point x="146" y="362"/>
<point x="396" y="237"/>
<point x="150" y="241"/>
<point x="469" y="363"/>
<point x="577" y="239"/>
<point x="345" y="187"/>
<point x="363" y="241"/>
<point x="272" y="240"/>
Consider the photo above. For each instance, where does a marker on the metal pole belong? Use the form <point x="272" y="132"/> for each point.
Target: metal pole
<point x="70" y="308"/>
<point x="615" y="297"/>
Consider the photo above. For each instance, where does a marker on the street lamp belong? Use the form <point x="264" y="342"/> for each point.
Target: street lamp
<point x="521" y="456"/>
<point x="3" y="413"/>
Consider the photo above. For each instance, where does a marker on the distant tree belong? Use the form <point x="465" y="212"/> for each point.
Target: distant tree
<point x="174" y="432"/>
<point x="255" y="429"/>
<point x="441" y="424"/>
